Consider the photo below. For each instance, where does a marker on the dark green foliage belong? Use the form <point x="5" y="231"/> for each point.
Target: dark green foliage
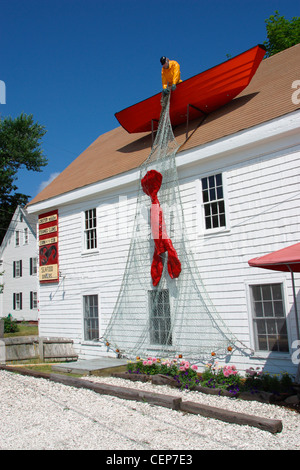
<point x="20" y="147"/>
<point x="281" y="33"/>
<point x="10" y="325"/>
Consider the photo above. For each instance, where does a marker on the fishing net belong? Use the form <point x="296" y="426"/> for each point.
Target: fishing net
<point x="163" y="308"/>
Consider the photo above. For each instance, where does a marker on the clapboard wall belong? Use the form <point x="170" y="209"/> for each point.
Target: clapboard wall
<point x="260" y="169"/>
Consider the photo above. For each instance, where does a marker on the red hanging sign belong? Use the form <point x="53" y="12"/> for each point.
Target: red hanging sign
<point x="48" y="247"/>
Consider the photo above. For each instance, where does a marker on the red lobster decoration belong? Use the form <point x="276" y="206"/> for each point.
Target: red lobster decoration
<point x="151" y="184"/>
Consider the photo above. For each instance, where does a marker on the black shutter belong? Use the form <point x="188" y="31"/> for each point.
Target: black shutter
<point x="20" y="300"/>
<point x="14" y="301"/>
<point x="20" y="268"/>
<point x="14" y="269"/>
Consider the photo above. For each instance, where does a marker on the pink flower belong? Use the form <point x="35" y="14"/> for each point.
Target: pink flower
<point x="149" y="363"/>
<point x="145" y="363"/>
<point x="194" y="367"/>
<point x="182" y="368"/>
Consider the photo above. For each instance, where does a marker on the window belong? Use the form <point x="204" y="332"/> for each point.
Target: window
<point x="160" y="318"/>
<point x="17" y="237"/>
<point x="90" y="229"/>
<point x="269" y="320"/>
<point x="33" y="301"/>
<point x="213" y="201"/>
<point x="25" y="235"/>
<point x="91" y="317"/>
<point x="33" y="266"/>
<point x="17" y="301"/>
<point x="17" y="268"/>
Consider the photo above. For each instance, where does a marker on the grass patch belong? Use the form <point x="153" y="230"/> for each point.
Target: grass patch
<point x="24" y="329"/>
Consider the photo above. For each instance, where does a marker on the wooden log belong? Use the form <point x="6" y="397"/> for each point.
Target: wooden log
<point x="23" y="371"/>
<point x="266" y="424"/>
<point x="160" y="379"/>
<point x="213" y="391"/>
<point x="131" y="376"/>
<point x="125" y="393"/>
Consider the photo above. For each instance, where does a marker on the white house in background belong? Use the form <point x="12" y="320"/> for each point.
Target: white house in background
<point x="239" y="177"/>
<point x="19" y="262"/>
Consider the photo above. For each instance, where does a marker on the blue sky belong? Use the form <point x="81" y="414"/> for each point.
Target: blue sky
<point x="74" y="63"/>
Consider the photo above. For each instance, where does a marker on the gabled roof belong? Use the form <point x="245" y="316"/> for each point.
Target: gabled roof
<point x="267" y="97"/>
<point x="29" y="219"/>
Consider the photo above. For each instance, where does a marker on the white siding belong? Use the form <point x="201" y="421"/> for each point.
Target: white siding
<point x="262" y="197"/>
<point x="82" y="273"/>
<point x="27" y="282"/>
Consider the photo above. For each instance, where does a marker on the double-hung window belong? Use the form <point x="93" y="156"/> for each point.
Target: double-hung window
<point x="160" y="318"/>
<point x="17" y="268"/>
<point x="269" y="320"/>
<point x="32" y="266"/>
<point x="213" y="201"/>
<point x="33" y="301"/>
<point x="91" y="317"/>
<point x="17" y="301"/>
<point x="90" y="229"/>
<point x="17" y="238"/>
<point x="25" y="236"/>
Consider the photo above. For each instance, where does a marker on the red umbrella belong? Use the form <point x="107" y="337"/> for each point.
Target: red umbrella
<point x="288" y="260"/>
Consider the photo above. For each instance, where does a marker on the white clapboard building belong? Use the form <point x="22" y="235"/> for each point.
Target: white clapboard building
<point x="19" y="264"/>
<point x="246" y="155"/>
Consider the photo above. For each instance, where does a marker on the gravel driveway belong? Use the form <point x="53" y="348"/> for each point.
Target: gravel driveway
<point x="37" y="414"/>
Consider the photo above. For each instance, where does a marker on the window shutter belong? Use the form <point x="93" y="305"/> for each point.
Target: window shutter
<point x="20" y="268"/>
<point x="20" y="300"/>
<point x="31" y="300"/>
<point x="14" y="301"/>
<point x="14" y="269"/>
<point x="30" y="266"/>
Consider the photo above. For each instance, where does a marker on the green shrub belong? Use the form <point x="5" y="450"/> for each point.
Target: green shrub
<point x="257" y="380"/>
<point x="10" y="325"/>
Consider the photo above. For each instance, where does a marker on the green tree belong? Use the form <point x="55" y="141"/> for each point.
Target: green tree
<point x="281" y="33"/>
<point x="20" y="147"/>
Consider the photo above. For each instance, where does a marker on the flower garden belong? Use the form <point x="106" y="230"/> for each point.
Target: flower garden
<point x="222" y="378"/>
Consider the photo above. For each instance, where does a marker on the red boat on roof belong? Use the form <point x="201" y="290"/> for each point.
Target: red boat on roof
<point x="202" y="93"/>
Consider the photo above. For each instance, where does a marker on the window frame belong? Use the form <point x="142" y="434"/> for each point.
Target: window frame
<point x="17" y="269"/>
<point x="33" y="266"/>
<point x="33" y="300"/>
<point x="26" y="236"/>
<point x="17" y="237"/>
<point x="251" y="318"/>
<point x="216" y="201"/>
<point x="162" y="319"/>
<point x="17" y="301"/>
<point x="87" y="337"/>
<point x="87" y="230"/>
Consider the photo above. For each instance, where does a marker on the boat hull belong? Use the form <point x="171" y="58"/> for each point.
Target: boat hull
<point x="201" y="94"/>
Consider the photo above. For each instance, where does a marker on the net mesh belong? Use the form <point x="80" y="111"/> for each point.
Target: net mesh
<point x="176" y="316"/>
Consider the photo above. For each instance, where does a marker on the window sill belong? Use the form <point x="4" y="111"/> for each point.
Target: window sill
<point x="91" y="342"/>
<point x="271" y="355"/>
<point x="216" y="231"/>
<point x="93" y="252"/>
